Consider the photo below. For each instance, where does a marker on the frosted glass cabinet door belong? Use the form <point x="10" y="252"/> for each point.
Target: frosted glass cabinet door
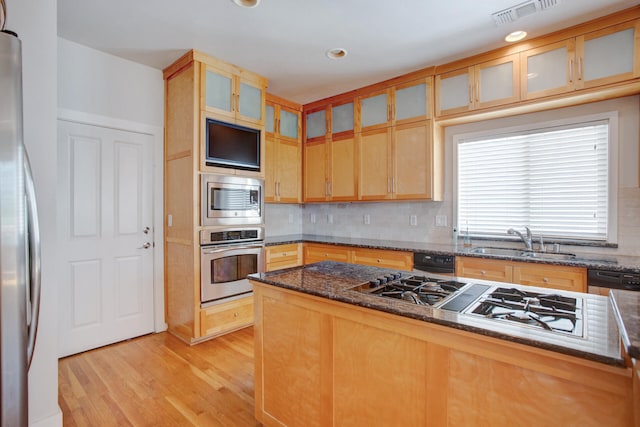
<point x="375" y="110"/>
<point x="250" y="101"/>
<point x="495" y="83"/>
<point x="411" y="101"/>
<point x="288" y="124"/>
<point x="453" y="92"/>
<point x="219" y="91"/>
<point x="549" y="69"/>
<point x="342" y="118"/>
<point x="316" y="124"/>
<point x="270" y="119"/>
<point x="608" y="56"/>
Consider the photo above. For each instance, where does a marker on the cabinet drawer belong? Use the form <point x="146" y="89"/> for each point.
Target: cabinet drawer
<point x="548" y="276"/>
<point x="283" y="256"/>
<point x="485" y="269"/>
<point x="381" y="258"/>
<point x="315" y="253"/>
<point x="226" y="317"/>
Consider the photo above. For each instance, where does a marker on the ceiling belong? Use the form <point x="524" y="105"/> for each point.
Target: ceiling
<point x="286" y="40"/>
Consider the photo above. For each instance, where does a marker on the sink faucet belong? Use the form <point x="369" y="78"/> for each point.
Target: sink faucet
<point x="526" y="239"/>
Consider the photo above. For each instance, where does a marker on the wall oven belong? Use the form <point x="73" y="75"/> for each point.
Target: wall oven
<point x="231" y="200"/>
<point x="227" y="256"/>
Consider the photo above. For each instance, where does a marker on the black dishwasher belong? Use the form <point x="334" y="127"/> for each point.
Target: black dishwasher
<point x="612" y="280"/>
<point x="436" y="264"/>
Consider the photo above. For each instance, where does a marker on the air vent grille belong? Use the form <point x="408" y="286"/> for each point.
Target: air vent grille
<point x="523" y="9"/>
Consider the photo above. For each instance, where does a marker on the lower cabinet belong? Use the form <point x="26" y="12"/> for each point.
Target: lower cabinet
<point x="315" y="252"/>
<point x="320" y="363"/>
<point x="226" y="317"/>
<point x="283" y="256"/>
<point x="530" y="274"/>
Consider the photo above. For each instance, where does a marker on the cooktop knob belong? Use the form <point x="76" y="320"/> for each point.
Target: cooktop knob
<point x="374" y="283"/>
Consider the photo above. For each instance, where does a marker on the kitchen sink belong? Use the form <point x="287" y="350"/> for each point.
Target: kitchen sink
<point x="498" y="251"/>
<point x="549" y="255"/>
<point x="512" y="252"/>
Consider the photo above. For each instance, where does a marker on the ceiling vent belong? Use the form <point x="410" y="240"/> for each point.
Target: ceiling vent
<point x="523" y="9"/>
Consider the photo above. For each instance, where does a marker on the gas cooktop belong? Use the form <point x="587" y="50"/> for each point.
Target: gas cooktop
<point x="551" y="311"/>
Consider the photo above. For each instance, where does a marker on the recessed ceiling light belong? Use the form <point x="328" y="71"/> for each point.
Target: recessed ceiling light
<point x="247" y="3"/>
<point x="336" y="53"/>
<point x="515" y="36"/>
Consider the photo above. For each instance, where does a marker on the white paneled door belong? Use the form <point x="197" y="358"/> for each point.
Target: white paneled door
<point x="104" y="199"/>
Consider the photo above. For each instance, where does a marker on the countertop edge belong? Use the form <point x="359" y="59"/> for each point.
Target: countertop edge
<point x="594" y="261"/>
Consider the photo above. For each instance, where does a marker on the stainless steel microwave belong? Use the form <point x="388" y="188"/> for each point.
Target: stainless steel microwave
<point x="231" y="200"/>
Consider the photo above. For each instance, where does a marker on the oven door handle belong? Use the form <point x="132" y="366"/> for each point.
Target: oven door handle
<point x="230" y="248"/>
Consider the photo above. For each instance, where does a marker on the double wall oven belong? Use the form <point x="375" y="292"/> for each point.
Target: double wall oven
<point x="231" y="237"/>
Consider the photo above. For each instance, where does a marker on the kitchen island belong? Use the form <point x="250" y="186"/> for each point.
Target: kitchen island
<point x="327" y="354"/>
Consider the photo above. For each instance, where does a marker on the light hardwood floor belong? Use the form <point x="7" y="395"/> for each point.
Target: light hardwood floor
<point x="157" y="380"/>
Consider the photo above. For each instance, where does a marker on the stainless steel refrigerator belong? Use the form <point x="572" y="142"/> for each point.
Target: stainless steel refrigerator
<point x="19" y="242"/>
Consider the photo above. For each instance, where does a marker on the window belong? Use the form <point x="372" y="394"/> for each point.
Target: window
<point x="554" y="179"/>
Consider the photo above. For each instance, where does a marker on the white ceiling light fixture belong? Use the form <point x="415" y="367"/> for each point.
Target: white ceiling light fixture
<point x="336" y="53"/>
<point x="515" y="36"/>
<point x="247" y="3"/>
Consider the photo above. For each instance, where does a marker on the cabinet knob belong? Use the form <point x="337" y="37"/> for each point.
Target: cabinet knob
<point x="545" y="280"/>
<point x="378" y="261"/>
<point x="483" y="273"/>
<point x="236" y="314"/>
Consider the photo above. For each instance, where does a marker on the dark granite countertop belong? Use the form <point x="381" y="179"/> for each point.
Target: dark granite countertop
<point x="626" y="305"/>
<point x="334" y="280"/>
<point x="588" y="260"/>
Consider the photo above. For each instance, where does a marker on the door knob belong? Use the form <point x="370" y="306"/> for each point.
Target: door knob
<point x="146" y="245"/>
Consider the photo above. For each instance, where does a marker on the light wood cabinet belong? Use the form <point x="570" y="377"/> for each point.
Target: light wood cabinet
<point x="283" y="163"/>
<point x="530" y="274"/>
<point x="330" y="159"/>
<point x="226" y="317"/>
<point x="316" y="252"/>
<point x="398" y="163"/>
<point x="550" y="276"/>
<point x="485" y="269"/>
<point x="383" y="258"/>
<point x="233" y="93"/>
<point x="602" y="57"/>
<point x="489" y="84"/>
<point x="283" y="256"/>
<point x="321" y="362"/>
<point x="197" y="87"/>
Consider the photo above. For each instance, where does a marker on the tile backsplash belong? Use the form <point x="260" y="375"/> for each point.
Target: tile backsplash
<point x="433" y="221"/>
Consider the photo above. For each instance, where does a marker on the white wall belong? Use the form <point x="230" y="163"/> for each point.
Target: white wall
<point x="36" y="24"/>
<point x="97" y="83"/>
<point x="100" y="89"/>
<point x="391" y="220"/>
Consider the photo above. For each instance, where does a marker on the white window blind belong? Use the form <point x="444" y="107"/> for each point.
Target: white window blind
<point x="553" y="180"/>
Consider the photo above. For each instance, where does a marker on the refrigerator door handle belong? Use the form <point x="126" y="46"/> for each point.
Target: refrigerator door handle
<point x="34" y="273"/>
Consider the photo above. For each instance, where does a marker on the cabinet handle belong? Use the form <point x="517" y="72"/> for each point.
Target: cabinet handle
<point x="580" y="68"/>
<point x="470" y="94"/>
<point x="277" y="129"/>
<point x="378" y="261"/>
<point x="483" y="273"/>
<point x="545" y="280"/>
<point x="328" y="189"/>
<point x="477" y="91"/>
<point x="388" y="185"/>
<point x="571" y="71"/>
<point x="278" y="189"/>
<point x="238" y="102"/>
<point x="393" y="184"/>
<point x="236" y="314"/>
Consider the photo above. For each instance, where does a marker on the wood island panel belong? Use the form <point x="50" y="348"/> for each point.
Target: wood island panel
<point x="356" y="360"/>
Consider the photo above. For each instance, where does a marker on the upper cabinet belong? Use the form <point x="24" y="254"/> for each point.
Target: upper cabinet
<point x="283" y="139"/>
<point x="594" y="59"/>
<point x="609" y="55"/>
<point x="488" y="84"/>
<point x="330" y="153"/>
<point x="234" y="94"/>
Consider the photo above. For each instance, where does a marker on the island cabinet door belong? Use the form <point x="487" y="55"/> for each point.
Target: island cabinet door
<point x="292" y="372"/>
